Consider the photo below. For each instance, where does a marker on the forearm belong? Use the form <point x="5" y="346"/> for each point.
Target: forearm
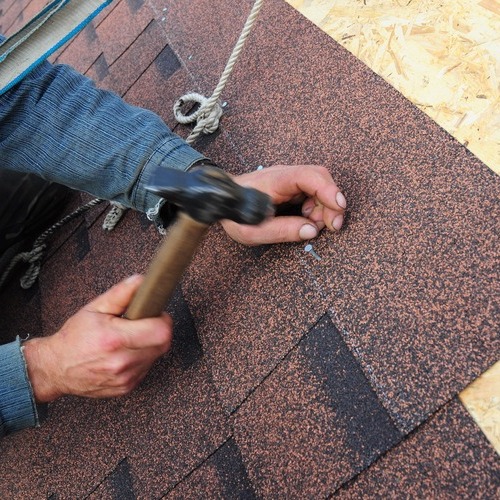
<point x="57" y="124"/>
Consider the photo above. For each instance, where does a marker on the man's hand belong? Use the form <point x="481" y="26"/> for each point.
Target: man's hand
<point x="322" y="204"/>
<point x="97" y="353"/>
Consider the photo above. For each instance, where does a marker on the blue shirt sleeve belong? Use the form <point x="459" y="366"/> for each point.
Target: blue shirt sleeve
<point x="18" y="409"/>
<point x="57" y="124"/>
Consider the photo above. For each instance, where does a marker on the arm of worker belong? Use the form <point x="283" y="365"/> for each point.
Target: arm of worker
<point x="96" y="353"/>
<point x="57" y="124"/>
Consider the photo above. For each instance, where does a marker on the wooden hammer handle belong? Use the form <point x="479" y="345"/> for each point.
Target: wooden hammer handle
<point x="167" y="267"/>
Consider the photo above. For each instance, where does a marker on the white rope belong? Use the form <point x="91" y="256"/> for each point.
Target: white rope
<point x="208" y="114"/>
<point x="35" y="255"/>
<point x="113" y="216"/>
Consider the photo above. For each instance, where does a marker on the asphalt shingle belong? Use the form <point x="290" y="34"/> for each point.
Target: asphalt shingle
<point x="288" y="375"/>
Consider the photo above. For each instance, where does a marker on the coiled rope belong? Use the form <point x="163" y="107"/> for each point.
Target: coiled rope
<point x="35" y="255"/>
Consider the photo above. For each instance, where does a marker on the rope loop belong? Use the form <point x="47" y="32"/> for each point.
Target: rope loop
<point x="193" y="98"/>
<point x="207" y="116"/>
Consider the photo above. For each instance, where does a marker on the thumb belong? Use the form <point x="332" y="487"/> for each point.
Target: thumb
<point x="276" y="230"/>
<point x="116" y="300"/>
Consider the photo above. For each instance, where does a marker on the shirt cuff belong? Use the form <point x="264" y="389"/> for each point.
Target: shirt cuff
<point x="172" y="153"/>
<point x="18" y="408"/>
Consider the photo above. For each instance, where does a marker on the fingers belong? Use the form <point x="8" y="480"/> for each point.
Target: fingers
<point x="316" y="182"/>
<point x="146" y="333"/>
<point x="116" y="300"/>
<point x="285" y="182"/>
<point x="140" y="334"/>
<point x="319" y="213"/>
<point x="331" y="212"/>
<point x="275" y="230"/>
<point x="324" y="202"/>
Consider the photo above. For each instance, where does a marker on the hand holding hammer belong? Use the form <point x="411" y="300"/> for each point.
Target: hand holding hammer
<point x="204" y="196"/>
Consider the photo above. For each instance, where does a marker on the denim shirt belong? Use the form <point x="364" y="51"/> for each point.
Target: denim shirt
<point x="57" y="124"/>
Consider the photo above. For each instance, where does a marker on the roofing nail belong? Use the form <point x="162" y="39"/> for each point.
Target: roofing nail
<point x="309" y="249"/>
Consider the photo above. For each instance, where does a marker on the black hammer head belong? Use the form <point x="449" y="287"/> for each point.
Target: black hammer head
<point x="208" y="194"/>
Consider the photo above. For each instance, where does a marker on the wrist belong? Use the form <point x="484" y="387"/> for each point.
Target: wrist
<point x="40" y="367"/>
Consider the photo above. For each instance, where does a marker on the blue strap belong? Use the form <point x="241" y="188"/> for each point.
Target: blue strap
<point x="57" y="23"/>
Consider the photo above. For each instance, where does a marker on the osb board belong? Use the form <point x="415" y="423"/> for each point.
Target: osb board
<point x="482" y="400"/>
<point x="443" y="55"/>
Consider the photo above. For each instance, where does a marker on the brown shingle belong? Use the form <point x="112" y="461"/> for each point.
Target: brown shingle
<point x="310" y="425"/>
<point x="118" y="30"/>
<point x="287" y="374"/>
<point x="447" y="457"/>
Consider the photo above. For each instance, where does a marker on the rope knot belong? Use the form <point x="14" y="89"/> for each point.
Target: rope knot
<point x="34" y="259"/>
<point x="207" y="116"/>
<point x="35" y="254"/>
<point x="209" y="123"/>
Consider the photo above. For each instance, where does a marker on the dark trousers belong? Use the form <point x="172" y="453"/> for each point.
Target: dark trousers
<point x="28" y="205"/>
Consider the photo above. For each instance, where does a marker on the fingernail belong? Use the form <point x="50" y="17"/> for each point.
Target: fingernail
<point x="307" y="211"/>
<point x="308" y="232"/>
<point x="337" y="222"/>
<point x="341" y="201"/>
<point x="132" y="278"/>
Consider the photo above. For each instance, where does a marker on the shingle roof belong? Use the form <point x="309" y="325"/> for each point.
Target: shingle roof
<point x="289" y="376"/>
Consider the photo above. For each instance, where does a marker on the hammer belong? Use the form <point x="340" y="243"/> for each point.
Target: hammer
<point x="204" y="195"/>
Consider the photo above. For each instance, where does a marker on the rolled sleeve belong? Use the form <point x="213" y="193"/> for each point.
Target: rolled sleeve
<point x="172" y="153"/>
<point x="18" y="409"/>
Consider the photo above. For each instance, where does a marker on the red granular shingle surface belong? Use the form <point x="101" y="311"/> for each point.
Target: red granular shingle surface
<point x="448" y="457"/>
<point x="152" y="83"/>
<point x="288" y="376"/>
<point x="82" y="52"/>
<point x="410" y="278"/>
<point x="118" y="30"/>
